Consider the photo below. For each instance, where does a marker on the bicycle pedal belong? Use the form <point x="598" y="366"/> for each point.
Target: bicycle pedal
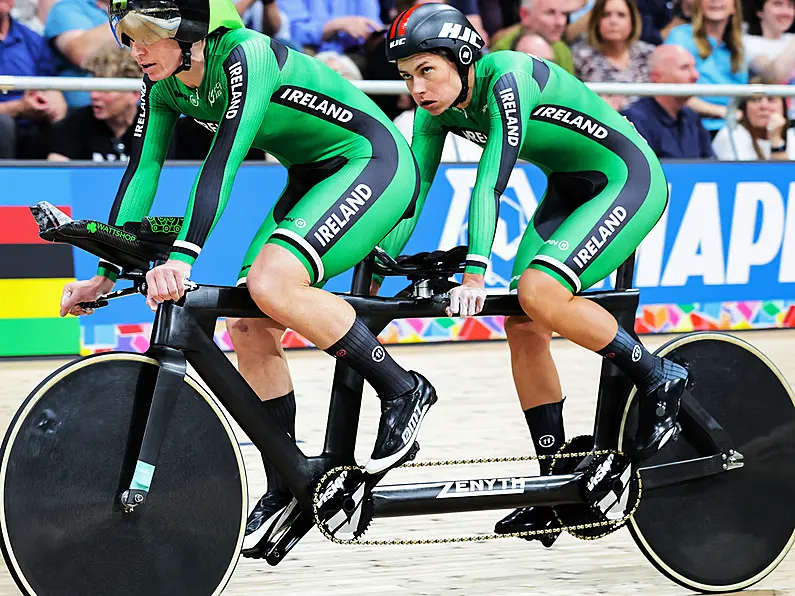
<point x="547" y="540"/>
<point x="544" y="519"/>
<point x="412" y="454"/>
<point x="256" y="552"/>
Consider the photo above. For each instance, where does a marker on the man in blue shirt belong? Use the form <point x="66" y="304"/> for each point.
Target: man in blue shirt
<point x="331" y="25"/>
<point x="24" y="52"/>
<point x="77" y="28"/>
<point x="672" y="129"/>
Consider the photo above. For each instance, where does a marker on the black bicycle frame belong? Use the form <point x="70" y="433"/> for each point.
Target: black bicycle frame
<point x="188" y="329"/>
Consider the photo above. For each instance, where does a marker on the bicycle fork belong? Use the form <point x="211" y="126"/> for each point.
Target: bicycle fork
<point x="170" y="376"/>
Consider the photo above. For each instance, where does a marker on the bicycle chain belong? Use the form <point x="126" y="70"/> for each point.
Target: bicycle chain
<point x="476" y="537"/>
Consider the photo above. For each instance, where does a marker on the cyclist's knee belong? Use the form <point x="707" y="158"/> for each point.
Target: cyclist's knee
<point x="538" y="292"/>
<point x="261" y="335"/>
<point x="274" y="280"/>
<point x="529" y="334"/>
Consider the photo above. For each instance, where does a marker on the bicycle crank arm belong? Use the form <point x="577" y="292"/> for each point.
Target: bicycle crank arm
<point x="289" y="538"/>
<point x="690" y="469"/>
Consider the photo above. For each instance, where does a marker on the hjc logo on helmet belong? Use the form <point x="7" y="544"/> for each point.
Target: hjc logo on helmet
<point x="456" y="31"/>
<point x="397" y="42"/>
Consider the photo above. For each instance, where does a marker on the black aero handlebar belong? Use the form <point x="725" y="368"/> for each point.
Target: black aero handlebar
<point x="136" y="245"/>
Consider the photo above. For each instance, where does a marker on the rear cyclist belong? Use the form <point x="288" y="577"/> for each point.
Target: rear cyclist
<point x="352" y="177"/>
<point x="606" y="190"/>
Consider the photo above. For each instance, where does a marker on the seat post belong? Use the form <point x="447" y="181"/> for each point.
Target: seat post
<point x="625" y="273"/>
<point x="346" y="388"/>
<point x="362" y="277"/>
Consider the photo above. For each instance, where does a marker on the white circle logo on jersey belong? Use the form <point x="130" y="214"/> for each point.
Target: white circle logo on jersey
<point x="378" y="354"/>
<point x="546" y="441"/>
<point x="636" y="353"/>
<point x="465" y="54"/>
<point x="194" y="100"/>
<point x="300" y="223"/>
<point x="563" y="245"/>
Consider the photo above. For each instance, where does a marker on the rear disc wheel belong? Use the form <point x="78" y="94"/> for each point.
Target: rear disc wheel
<point x="724" y="532"/>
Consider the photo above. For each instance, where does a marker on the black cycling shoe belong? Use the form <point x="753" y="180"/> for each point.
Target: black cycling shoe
<point x="401" y="418"/>
<point x="526" y="519"/>
<point x="657" y="415"/>
<point x="259" y="521"/>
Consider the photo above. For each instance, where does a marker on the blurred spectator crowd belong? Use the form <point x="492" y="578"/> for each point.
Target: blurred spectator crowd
<point x="631" y="41"/>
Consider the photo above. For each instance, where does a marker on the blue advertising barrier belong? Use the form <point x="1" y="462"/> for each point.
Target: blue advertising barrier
<point x="722" y="256"/>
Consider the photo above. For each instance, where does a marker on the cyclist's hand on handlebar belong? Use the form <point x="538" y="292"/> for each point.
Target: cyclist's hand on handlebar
<point x="166" y="282"/>
<point x="83" y="291"/>
<point x="468" y="298"/>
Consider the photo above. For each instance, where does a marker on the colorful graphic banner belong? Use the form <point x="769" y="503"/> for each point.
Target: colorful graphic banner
<point x="721" y="257"/>
<point x="32" y="276"/>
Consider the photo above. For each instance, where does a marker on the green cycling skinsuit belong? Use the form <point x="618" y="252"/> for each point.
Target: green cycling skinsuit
<point x="351" y="174"/>
<point x="606" y="188"/>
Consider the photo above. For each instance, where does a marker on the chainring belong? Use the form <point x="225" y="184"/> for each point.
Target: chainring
<point x="343" y="504"/>
<point x="603" y="473"/>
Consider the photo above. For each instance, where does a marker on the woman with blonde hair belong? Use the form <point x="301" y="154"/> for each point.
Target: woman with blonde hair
<point x="611" y="50"/>
<point x="102" y="130"/>
<point x="714" y="38"/>
<point x="762" y="133"/>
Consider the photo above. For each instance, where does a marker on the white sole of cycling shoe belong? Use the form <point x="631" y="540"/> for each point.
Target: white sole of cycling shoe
<point x="253" y="539"/>
<point x="379" y="466"/>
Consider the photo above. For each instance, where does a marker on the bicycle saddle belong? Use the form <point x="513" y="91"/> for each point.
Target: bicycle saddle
<point x="422" y="265"/>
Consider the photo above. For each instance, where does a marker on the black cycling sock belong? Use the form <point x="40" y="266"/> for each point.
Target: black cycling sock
<point x="362" y="351"/>
<point x="282" y="409"/>
<point x="546" y="427"/>
<point x="646" y="370"/>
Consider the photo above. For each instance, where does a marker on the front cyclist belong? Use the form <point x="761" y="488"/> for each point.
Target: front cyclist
<point x="606" y="190"/>
<point x="352" y="177"/>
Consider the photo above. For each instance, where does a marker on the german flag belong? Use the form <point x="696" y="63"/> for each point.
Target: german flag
<point x="32" y="276"/>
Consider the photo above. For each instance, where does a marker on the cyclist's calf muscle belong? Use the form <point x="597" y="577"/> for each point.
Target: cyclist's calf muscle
<point x="534" y="372"/>
<point x="260" y="357"/>
<point x="577" y="319"/>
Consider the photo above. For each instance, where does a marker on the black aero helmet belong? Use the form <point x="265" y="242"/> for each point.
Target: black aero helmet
<point x="186" y="21"/>
<point x="429" y="27"/>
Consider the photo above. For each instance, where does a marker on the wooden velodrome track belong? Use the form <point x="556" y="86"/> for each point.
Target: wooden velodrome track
<point x="477" y="416"/>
